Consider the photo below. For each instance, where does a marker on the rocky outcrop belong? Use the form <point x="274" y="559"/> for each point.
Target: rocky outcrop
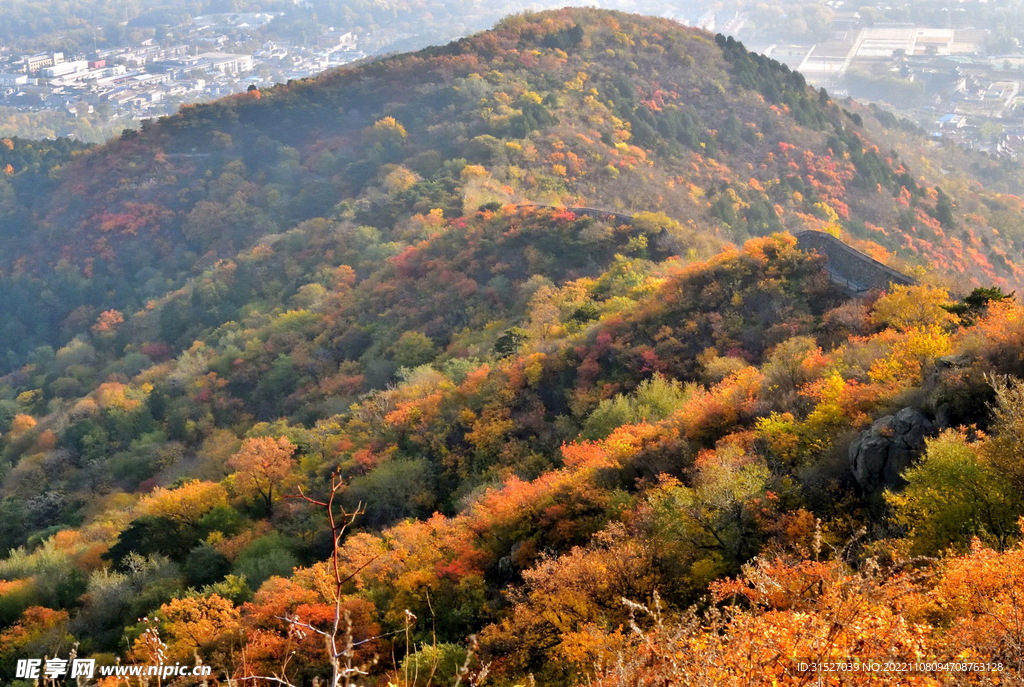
<point x="880" y="454"/>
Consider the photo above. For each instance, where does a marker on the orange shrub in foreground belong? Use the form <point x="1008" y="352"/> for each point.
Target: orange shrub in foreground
<point x="784" y="611"/>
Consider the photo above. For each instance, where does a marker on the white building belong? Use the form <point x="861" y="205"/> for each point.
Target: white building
<point x="65" y="68"/>
<point x="225" y="63"/>
<point x="36" y="62"/>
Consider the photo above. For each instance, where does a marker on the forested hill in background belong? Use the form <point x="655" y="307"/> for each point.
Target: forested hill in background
<point x="643" y="116"/>
<point x="542" y="412"/>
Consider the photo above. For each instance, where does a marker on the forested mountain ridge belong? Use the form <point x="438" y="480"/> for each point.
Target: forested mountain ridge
<point x="667" y="120"/>
<point x="542" y="412"/>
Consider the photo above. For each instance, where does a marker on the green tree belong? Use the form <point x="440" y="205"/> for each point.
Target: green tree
<point x="510" y="341"/>
<point x="953" y="495"/>
<point x="1005" y="449"/>
<point x="413" y="349"/>
<point x="265" y="558"/>
<point x="394" y="490"/>
<point x="205" y="565"/>
<point x="976" y="303"/>
<point x="711" y="527"/>
<point x="944" y="210"/>
<point x="152" y="535"/>
<point x="654" y="399"/>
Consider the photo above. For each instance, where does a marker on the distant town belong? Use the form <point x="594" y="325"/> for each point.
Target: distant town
<point x="137" y="82"/>
<point x="941" y="79"/>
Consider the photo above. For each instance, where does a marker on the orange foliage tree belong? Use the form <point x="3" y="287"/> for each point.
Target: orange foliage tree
<point x="262" y="466"/>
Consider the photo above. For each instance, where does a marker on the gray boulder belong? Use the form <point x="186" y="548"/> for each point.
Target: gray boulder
<point x="880" y="454"/>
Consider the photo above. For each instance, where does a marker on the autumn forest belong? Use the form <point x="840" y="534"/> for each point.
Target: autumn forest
<point x="335" y="383"/>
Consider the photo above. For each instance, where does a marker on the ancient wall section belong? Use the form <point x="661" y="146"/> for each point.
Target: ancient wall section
<point x="848" y="266"/>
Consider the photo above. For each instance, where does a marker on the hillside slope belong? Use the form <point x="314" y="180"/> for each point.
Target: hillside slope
<point x="628" y="114"/>
<point x="538" y="413"/>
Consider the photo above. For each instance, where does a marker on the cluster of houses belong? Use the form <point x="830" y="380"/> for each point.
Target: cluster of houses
<point x="969" y="96"/>
<point x="151" y="79"/>
<point x="974" y="100"/>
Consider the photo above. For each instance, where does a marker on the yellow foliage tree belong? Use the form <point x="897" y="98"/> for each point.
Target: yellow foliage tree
<point x="22" y="423"/>
<point x="185" y="504"/>
<point x="194" y="621"/>
<point x="911" y="351"/>
<point x="262" y="466"/>
<point x="388" y="130"/>
<point x="906" y="307"/>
